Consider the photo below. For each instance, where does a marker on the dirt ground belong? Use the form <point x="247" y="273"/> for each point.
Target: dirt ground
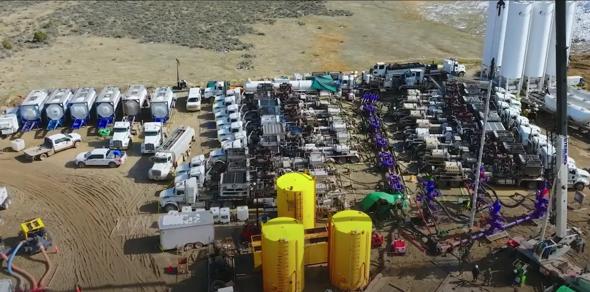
<point x="102" y="219"/>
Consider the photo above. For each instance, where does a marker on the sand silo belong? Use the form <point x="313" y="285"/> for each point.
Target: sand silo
<point x="517" y="33"/>
<point x="282" y="255"/>
<point x="570" y="14"/>
<point x="349" y="257"/>
<point x="497" y="18"/>
<point x="540" y="30"/>
<point x="296" y="197"/>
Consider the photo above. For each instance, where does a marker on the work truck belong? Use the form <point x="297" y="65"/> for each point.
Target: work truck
<point x="153" y="136"/>
<point x="53" y="144"/>
<point x="121" y="135"/>
<point x="171" y="153"/>
<point x="184" y="193"/>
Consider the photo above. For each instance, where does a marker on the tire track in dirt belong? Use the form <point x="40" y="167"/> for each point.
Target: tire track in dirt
<point x="85" y="205"/>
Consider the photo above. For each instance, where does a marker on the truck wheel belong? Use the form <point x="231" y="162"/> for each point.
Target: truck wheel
<point x="169" y="208"/>
<point x="188" y="247"/>
<point x="112" y="164"/>
<point x="579" y="186"/>
<point x="81" y="164"/>
<point x="42" y="156"/>
<point x="76" y="144"/>
<point x="461" y="74"/>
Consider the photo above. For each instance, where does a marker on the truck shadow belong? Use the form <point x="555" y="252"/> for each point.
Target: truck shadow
<point x="150" y="207"/>
<point x="139" y="171"/>
<point x="23" y="158"/>
<point x="141" y="245"/>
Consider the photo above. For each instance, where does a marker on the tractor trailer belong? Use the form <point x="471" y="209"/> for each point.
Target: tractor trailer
<point x="171" y="153"/>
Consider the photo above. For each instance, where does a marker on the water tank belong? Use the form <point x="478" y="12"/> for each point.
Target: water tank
<point x="349" y="260"/>
<point x="570" y="11"/>
<point x="538" y="43"/>
<point x="517" y="32"/>
<point x="296" y="197"/>
<point x="282" y="255"/>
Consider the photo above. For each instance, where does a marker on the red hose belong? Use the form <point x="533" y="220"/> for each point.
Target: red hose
<point x="25" y="273"/>
<point x="49" y="267"/>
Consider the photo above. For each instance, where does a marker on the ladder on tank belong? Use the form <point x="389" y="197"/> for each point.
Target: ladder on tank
<point x="78" y="123"/>
<point x="172" y="138"/>
<point x="283" y="277"/>
<point x="53" y="124"/>
<point x="28" y="126"/>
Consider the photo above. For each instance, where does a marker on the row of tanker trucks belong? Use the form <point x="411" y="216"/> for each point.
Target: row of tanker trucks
<point x="55" y="108"/>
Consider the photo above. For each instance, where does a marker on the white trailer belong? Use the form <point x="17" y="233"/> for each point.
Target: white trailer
<point x="134" y="100"/>
<point x="186" y="229"/>
<point x="56" y="106"/>
<point x="106" y="105"/>
<point x="161" y="104"/>
<point x="30" y="109"/>
<point x="174" y="150"/>
<point x="9" y="122"/>
<point x="81" y="106"/>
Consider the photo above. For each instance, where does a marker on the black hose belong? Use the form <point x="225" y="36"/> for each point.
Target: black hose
<point x="518" y="203"/>
<point x="457" y="218"/>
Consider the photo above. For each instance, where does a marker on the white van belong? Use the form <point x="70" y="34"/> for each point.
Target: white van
<point x="193" y="101"/>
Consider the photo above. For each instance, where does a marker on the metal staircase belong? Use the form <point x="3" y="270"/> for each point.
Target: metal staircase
<point x="28" y="126"/>
<point x="78" y="123"/>
<point x="53" y="124"/>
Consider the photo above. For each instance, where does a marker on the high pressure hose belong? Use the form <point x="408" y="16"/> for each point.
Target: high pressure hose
<point x="11" y="267"/>
<point x="20" y="278"/>
<point x="518" y="203"/>
<point x="48" y="263"/>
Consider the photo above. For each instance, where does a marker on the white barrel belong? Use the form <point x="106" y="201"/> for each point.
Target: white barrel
<point x="538" y="44"/>
<point x="79" y="110"/>
<point x="569" y="19"/>
<point x="30" y="113"/>
<point x="54" y="111"/>
<point x="159" y="109"/>
<point x="17" y="144"/>
<point x="517" y="32"/>
<point x="105" y="110"/>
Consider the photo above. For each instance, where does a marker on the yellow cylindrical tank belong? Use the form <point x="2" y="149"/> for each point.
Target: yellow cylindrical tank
<point x="296" y="197"/>
<point x="349" y="257"/>
<point x="282" y="255"/>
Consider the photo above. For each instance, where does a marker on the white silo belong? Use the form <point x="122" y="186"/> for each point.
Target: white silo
<point x="570" y="13"/>
<point x="501" y="30"/>
<point x="517" y="33"/>
<point x="538" y="43"/>
<point x="495" y="34"/>
<point x="490" y="35"/>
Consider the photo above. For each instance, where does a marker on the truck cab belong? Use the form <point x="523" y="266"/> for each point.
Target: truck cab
<point x="121" y="135"/>
<point x="577" y="178"/>
<point x="163" y="165"/>
<point x="453" y="67"/>
<point x="153" y="137"/>
<point x="378" y="69"/>
<point x="184" y="193"/>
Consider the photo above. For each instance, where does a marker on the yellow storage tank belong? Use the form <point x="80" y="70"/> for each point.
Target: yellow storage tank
<point x="282" y="255"/>
<point x="296" y="197"/>
<point x="349" y="248"/>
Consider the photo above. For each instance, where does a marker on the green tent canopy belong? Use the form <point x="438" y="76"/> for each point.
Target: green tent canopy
<point x="324" y="82"/>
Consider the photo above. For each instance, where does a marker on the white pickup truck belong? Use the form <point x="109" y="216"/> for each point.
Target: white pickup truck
<point x="121" y="136"/>
<point x="101" y="157"/>
<point x="153" y="136"/>
<point x="170" y="154"/>
<point x="53" y="144"/>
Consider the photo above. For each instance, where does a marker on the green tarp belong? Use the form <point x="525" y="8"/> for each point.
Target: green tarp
<point x="324" y="82"/>
<point x="374" y="197"/>
<point x="564" y="289"/>
<point x="211" y="84"/>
